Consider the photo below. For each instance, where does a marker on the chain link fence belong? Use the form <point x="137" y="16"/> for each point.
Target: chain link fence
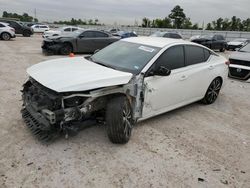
<point x="186" y="33"/>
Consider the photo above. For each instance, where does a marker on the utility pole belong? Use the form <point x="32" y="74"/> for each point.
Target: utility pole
<point x="35" y="13"/>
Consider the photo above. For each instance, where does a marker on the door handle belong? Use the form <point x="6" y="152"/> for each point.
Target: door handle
<point x="211" y="67"/>
<point x="184" y="77"/>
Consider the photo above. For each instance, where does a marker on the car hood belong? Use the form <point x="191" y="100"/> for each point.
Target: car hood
<point x="76" y="74"/>
<point x="235" y="43"/>
<point x="244" y="56"/>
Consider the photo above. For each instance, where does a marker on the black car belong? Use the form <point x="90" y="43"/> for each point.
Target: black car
<point x="19" y="27"/>
<point x="167" y="34"/>
<point x="214" y="42"/>
<point x="80" y="41"/>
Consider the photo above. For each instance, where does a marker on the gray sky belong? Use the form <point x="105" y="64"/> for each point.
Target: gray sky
<point x="127" y="11"/>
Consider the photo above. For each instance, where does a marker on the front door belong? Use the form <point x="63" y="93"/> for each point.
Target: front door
<point x="163" y="93"/>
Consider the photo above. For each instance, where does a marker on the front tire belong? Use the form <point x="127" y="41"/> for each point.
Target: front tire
<point x="119" y="120"/>
<point x="66" y="49"/>
<point x="5" y="36"/>
<point x="26" y="33"/>
<point x="212" y="91"/>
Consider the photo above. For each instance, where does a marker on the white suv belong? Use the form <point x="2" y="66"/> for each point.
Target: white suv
<point x="128" y="81"/>
<point x="6" y="32"/>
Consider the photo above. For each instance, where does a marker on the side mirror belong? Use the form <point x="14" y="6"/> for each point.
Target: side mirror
<point x="162" y="71"/>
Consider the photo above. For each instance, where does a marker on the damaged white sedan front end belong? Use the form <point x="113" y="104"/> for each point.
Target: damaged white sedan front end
<point x="130" y="80"/>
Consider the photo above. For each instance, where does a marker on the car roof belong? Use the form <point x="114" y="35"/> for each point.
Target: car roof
<point x="159" y="42"/>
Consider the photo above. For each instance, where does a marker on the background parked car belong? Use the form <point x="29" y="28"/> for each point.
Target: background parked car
<point x="214" y="42"/>
<point x="40" y="28"/>
<point x="113" y="30"/>
<point x="125" y="34"/>
<point x="61" y="31"/>
<point x="19" y="27"/>
<point x="239" y="67"/>
<point x="237" y="43"/>
<point x="167" y="35"/>
<point x="87" y="41"/>
<point x="6" y="32"/>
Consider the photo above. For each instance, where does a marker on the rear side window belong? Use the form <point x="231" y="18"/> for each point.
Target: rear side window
<point x="74" y="29"/>
<point x="206" y="54"/>
<point x="88" y="34"/>
<point x="1" y="25"/>
<point x="194" y="55"/>
<point x="67" y="29"/>
<point x="172" y="58"/>
<point x="166" y="35"/>
<point x="175" y="36"/>
<point x="100" y="34"/>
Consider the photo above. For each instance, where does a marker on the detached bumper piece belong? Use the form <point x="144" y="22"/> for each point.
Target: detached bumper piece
<point x="38" y="126"/>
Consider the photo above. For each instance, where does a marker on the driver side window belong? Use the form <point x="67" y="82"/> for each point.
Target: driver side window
<point x="172" y="58"/>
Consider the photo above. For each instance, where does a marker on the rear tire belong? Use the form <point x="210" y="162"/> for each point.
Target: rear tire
<point x="5" y="36"/>
<point x="212" y="91"/>
<point x="66" y="49"/>
<point x="119" y="120"/>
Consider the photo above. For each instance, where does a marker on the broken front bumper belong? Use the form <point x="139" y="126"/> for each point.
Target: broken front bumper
<point x="51" y="47"/>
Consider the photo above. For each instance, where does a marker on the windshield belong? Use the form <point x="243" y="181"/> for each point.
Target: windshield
<point x="157" y="34"/>
<point x="125" y="56"/>
<point x="245" y="48"/>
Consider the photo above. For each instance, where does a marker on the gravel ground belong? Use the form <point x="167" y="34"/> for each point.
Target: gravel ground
<point x="195" y="146"/>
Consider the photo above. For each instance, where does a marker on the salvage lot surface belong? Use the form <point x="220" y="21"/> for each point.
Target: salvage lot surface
<point x="194" y="146"/>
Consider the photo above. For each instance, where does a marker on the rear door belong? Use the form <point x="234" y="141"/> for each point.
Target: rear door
<point x="199" y="72"/>
<point x="86" y="42"/>
<point x="101" y="40"/>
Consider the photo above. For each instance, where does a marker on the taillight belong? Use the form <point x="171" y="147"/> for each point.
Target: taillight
<point x="227" y="63"/>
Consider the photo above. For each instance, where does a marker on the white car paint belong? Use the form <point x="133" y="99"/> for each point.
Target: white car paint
<point x="162" y="93"/>
<point x="76" y="74"/>
<point x="61" y="31"/>
<point x="7" y="29"/>
<point x="40" y="28"/>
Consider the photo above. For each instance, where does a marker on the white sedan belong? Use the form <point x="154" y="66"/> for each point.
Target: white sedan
<point x="128" y="81"/>
<point x="40" y="28"/>
<point x="61" y="31"/>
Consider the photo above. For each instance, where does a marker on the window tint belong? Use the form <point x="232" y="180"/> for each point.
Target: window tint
<point x="88" y="34"/>
<point x="194" y="55"/>
<point x="166" y="35"/>
<point x="74" y="29"/>
<point x="67" y="29"/>
<point x="1" y="25"/>
<point x="36" y="26"/>
<point x="172" y="58"/>
<point x="100" y="34"/>
<point x="206" y="54"/>
<point x="175" y="36"/>
<point x="43" y="26"/>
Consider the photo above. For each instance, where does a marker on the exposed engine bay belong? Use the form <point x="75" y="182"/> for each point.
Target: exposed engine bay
<point x="49" y="114"/>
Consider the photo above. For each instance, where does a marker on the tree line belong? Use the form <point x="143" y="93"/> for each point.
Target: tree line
<point x="74" y="21"/>
<point x="177" y="19"/>
<point x="24" y="17"/>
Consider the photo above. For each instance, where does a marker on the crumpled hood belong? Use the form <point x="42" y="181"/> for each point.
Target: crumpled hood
<point x="235" y="43"/>
<point x="76" y="74"/>
<point x="244" y="56"/>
